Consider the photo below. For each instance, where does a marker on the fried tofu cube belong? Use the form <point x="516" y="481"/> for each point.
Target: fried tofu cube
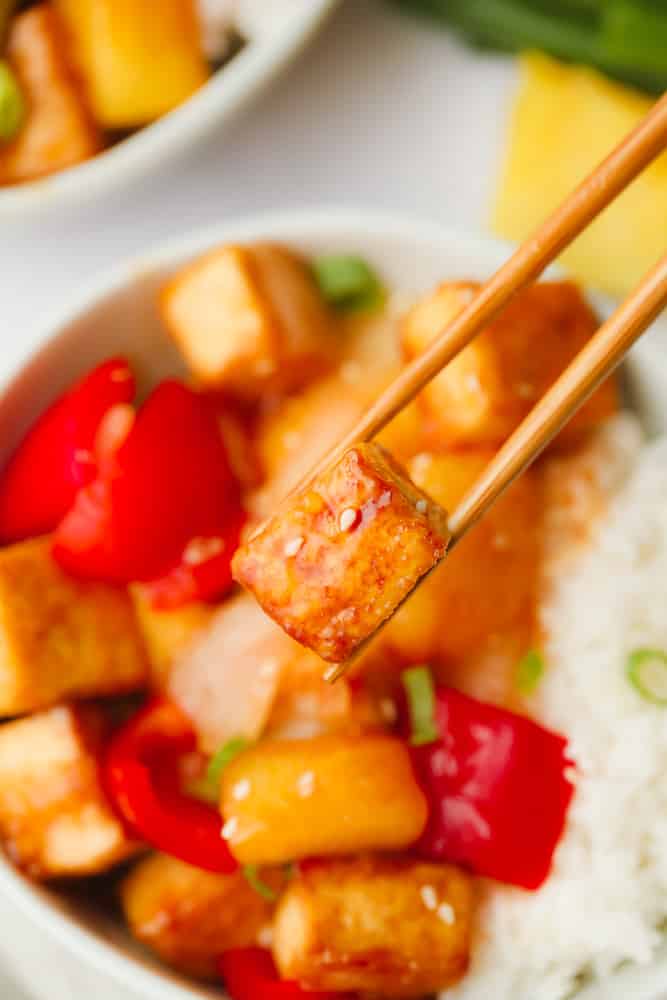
<point x="249" y="320"/>
<point x="189" y="917"/>
<point x="484" y="393"/>
<point x="135" y="65"/>
<point x="391" y="928"/>
<point x="339" y="559"/>
<point x="289" y="799"/>
<point x="168" y="634"/>
<point x="488" y="583"/>
<point x="54" y="818"/>
<point x="58" y="130"/>
<point x="60" y="637"/>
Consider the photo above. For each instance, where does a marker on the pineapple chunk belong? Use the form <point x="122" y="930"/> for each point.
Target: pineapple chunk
<point x="487" y="585"/>
<point x="168" y="634"/>
<point x="58" y="131"/>
<point x="54" y="818"/>
<point x="587" y="115"/>
<point x="189" y="917"/>
<point x="137" y="61"/>
<point x="249" y="319"/>
<point x="393" y="928"/>
<point x="487" y="390"/>
<point x="337" y="562"/>
<point x="290" y="799"/>
<point x="59" y="637"/>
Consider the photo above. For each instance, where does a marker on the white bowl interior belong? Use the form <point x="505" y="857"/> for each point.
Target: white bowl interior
<point x="214" y="103"/>
<point x="119" y="314"/>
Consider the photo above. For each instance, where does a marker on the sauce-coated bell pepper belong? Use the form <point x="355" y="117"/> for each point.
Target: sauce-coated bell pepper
<point x="249" y="974"/>
<point x="167" y="491"/>
<point x="498" y="789"/>
<point x="56" y="457"/>
<point x="142" y="780"/>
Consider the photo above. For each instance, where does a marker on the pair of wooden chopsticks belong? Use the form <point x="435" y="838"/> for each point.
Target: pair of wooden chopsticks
<point x="592" y="365"/>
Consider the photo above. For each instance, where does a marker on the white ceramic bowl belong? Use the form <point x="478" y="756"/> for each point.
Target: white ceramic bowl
<point x="212" y="105"/>
<point x="62" y="947"/>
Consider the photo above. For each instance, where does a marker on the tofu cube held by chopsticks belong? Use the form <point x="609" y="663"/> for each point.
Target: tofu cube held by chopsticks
<point x="339" y="559"/>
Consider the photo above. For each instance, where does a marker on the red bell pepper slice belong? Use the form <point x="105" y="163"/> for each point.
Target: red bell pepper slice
<point x="56" y="457"/>
<point x="498" y="788"/>
<point x="204" y="571"/>
<point x="142" y="780"/>
<point x="249" y="974"/>
<point x="168" y="483"/>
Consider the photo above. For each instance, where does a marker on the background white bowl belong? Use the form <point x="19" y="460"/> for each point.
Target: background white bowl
<point x="216" y="102"/>
<point x="63" y="946"/>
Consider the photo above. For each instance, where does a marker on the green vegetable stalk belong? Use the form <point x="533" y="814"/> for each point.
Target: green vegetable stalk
<point x="626" y="39"/>
<point x="12" y="106"/>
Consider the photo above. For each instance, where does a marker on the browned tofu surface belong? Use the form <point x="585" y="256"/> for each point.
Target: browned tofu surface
<point x="338" y="560"/>
<point x="58" y="131"/>
<point x="391" y="928"/>
<point x="168" y="634"/>
<point x="189" y="917"/>
<point x="484" y="393"/>
<point x="288" y="799"/>
<point x="487" y="584"/>
<point x="54" y="818"/>
<point x="249" y="319"/>
<point x="59" y="637"/>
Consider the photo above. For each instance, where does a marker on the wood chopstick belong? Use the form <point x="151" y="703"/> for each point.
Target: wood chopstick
<point x="601" y="355"/>
<point x="609" y="178"/>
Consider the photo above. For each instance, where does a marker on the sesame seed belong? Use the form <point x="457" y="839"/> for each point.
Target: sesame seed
<point x="293" y="546"/>
<point x="241" y="790"/>
<point x="446" y="913"/>
<point x="422" y="506"/>
<point x="230" y="828"/>
<point x="348" y="518"/>
<point x="200" y="550"/>
<point x="305" y="784"/>
<point x="429" y="897"/>
<point x="388" y="710"/>
<point x="265" y="936"/>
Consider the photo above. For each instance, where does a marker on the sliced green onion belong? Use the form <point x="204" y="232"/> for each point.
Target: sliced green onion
<point x="647" y="672"/>
<point x="348" y="283"/>
<point x="529" y="671"/>
<point x="12" y="105"/>
<point x="420" y="692"/>
<point x="254" y="881"/>
<point x="224" y="756"/>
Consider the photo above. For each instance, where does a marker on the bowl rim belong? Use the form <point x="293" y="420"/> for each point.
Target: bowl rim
<point x="217" y="101"/>
<point x="330" y="223"/>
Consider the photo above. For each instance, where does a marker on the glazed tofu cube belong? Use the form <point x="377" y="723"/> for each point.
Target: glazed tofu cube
<point x="59" y="637"/>
<point x="339" y="559"/>
<point x="487" y="585"/>
<point x="249" y="320"/>
<point x="168" y="634"/>
<point x="135" y="65"/>
<point x="391" y="928"/>
<point x="189" y="917"/>
<point x="485" y="392"/>
<point x="58" y="131"/>
<point x="54" y="818"/>
<point x="289" y="799"/>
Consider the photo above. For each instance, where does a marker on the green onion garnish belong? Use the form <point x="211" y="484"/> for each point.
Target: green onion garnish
<point x="253" y="879"/>
<point x="348" y="283"/>
<point x="420" y="692"/>
<point x="225" y="755"/>
<point x="647" y="672"/>
<point x="529" y="671"/>
<point x="12" y="105"/>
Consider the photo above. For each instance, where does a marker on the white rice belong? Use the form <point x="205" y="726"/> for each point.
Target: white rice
<point x="606" y="899"/>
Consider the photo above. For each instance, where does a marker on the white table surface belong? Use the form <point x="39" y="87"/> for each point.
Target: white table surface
<point x="379" y="112"/>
